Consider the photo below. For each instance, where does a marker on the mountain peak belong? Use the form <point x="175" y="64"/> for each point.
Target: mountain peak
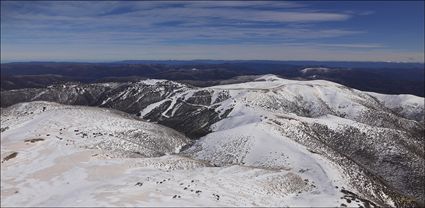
<point x="268" y="77"/>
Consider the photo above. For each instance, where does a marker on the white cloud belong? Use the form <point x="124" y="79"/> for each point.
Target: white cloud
<point x="183" y="30"/>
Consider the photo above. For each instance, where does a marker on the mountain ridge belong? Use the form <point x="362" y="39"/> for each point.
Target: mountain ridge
<point x="373" y="139"/>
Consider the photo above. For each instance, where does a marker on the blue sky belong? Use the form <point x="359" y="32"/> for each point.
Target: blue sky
<point x="226" y="30"/>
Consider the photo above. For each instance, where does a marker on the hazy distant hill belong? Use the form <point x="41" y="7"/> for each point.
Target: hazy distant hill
<point x="382" y="77"/>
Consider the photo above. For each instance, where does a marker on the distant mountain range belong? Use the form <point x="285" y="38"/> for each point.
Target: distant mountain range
<point x="353" y="64"/>
<point x="381" y="77"/>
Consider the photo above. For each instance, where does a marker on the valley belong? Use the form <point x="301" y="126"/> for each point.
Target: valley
<point x="267" y="142"/>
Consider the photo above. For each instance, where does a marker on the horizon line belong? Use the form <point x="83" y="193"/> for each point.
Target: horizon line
<point x="183" y="60"/>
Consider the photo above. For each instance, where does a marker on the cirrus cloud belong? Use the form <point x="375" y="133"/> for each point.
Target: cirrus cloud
<point x="164" y="27"/>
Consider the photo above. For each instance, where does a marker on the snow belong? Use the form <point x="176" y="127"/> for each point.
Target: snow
<point x="152" y="81"/>
<point x="245" y="161"/>
<point x="268" y="82"/>
<point x="93" y="127"/>
<point x="268" y="77"/>
<point x="317" y="69"/>
<point x="152" y="106"/>
<point x="247" y="135"/>
<point x="173" y="102"/>
<point x="315" y="98"/>
<point x="67" y="172"/>
<point x="215" y="95"/>
<point x="407" y="105"/>
<point x="394" y="101"/>
<point x="254" y="144"/>
<point x="244" y="137"/>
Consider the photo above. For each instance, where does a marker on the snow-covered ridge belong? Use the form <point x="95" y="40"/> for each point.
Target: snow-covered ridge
<point x="297" y="143"/>
<point x="410" y="106"/>
<point x="152" y="81"/>
<point x="316" y="69"/>
<point x="301" y="112"/>
<point x="320" y="97"/>
<point x="272" y="81"/>
<point x="268" y="77"/>
<point x="105" y="129"/>
<point x="85" y="156"/>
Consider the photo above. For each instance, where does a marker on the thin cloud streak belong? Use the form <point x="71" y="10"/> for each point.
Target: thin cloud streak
<point x="227" y="52"/>
<point x="358" y="45"/>
<point x="47" y="24"/>
<point x="177" y="29"/>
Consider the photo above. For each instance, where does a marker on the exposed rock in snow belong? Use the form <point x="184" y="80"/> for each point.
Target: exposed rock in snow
<point x="85" y="156"/>
<point x="378" y="148"/>
<point x="275" y="142"/>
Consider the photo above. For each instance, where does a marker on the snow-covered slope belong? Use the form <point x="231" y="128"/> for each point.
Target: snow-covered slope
<point x="409" y="106"/>
<point x="95" y="128"/>
<point x="256" y="124"/>
<point x="269" y="142"/>
<point x="57" y="155"/>
<point x="129" y="96"/>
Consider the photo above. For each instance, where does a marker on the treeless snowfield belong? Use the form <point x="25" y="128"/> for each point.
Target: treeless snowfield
<point x="81" y="156"/>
